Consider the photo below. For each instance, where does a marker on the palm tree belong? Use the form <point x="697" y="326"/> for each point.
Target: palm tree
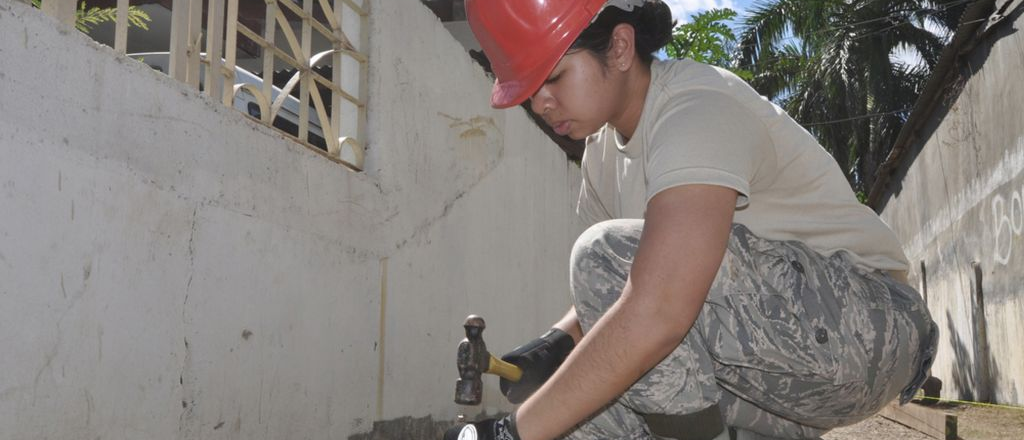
<point x="829" y="64"/>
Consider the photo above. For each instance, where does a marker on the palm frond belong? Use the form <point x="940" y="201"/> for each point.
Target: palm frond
<point x="87" y="18"/>
<point x="827" y="63"/>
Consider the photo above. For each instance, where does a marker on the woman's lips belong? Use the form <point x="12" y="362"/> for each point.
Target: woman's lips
<point x="561" y="128"/>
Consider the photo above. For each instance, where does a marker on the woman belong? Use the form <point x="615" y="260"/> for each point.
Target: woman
<point x="732" y="285"/>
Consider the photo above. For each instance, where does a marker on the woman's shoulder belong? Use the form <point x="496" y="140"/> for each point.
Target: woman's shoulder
<point x="685" y="83"/>
<point x="677" y="81"/>
<point x="685" y="74"/>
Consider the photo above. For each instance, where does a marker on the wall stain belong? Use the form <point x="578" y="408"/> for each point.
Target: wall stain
<point x="89" y="407"/>
<point x="472" y="127"/>
<point x="404" y="428"/>
<point x="99" y="338"/>
<point x="472" y="133"/>
<point x="86" y="272"/>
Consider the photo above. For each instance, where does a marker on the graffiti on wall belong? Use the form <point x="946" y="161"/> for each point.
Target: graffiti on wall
<point x="972" y="195"/>
<point x="1008" y="219"/>
<point x="1008" y="210"/>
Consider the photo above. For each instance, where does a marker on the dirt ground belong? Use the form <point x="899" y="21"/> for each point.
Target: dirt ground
<point x="974" y="423"/>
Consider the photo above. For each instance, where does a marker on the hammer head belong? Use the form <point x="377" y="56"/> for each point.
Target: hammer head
<point x="472" y="361"/>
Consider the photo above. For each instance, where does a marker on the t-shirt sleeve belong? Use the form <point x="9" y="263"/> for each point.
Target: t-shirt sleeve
<point x="706" y="137"/>
<point x="589" y="206"/>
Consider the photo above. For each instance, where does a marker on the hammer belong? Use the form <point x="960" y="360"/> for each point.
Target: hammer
<point x="473" y="360"/>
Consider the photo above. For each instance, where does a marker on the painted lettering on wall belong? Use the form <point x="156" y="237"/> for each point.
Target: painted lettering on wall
<point x="1008" y="218"/>
<point x="971" y="196"/>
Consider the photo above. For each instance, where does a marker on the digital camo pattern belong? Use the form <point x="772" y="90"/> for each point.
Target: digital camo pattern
<point x="789" y="343"/>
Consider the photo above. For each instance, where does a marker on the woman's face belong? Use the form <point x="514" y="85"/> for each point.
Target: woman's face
<point x="579" y="96"/>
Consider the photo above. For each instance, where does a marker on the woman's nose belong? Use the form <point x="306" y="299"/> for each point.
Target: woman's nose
<point x="541" y="101"/>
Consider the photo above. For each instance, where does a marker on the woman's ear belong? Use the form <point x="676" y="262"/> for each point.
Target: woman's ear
<point x="623" y="47"/>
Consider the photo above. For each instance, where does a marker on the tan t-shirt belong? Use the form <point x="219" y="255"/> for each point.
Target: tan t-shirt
<point x="704" y="125"/>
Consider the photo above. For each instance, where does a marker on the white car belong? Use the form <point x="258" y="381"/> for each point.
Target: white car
<point x="287" y="119"/>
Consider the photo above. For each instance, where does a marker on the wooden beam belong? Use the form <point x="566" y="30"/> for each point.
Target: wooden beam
<point x="230" y="51"/>
<point x="62" y="10"/>
<point x="121" y="28"/>
<point x="269" y="32"/>
<point x="195" y="36"/>
<point x="177" y="66"/>
<point x="215" y="78"/>
<point x="930" y="421"/>
<point x="304" y="79"/>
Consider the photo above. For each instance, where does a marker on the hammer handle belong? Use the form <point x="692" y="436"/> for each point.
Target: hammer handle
<point x="504" y="369"/>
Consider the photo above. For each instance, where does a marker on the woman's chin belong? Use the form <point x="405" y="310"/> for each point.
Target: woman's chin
<point x="578" y="134"/>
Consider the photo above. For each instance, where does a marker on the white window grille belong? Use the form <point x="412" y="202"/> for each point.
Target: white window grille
<point x="330" y="113"/>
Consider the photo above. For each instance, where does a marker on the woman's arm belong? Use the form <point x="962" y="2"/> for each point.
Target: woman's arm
<point x="571" y="325"/>
<point x="685" y="234"/>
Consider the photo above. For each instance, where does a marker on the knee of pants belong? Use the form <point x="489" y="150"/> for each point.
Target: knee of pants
<point x="599" y="266"/>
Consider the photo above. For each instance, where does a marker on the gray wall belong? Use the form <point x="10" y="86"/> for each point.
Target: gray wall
<point x="172" y="269"/>
<point x="959" y="210"/>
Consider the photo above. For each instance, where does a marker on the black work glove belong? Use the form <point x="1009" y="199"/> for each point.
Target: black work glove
<point x="538" y="359"/>
<point x="490" y="429"/>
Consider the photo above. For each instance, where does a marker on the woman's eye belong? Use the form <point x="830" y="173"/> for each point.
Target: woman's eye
<point x="553" y="79"/>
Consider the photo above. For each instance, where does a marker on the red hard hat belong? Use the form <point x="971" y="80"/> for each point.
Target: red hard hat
<point x="524" y="39"/>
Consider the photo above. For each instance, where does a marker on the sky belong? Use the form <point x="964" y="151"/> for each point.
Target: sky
<point x="683" y="9"/>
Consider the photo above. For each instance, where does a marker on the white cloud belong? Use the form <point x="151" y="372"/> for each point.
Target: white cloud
<point x="683" y="9"/>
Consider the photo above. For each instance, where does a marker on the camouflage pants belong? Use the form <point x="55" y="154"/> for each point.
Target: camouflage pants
<point x="789" y="343"/>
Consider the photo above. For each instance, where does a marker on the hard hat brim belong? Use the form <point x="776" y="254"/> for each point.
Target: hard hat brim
<point x="513" y="92"/>
<point x="508" y="94"/>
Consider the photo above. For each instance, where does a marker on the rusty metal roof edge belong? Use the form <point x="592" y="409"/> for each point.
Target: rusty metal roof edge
<point x="963" y="39"/>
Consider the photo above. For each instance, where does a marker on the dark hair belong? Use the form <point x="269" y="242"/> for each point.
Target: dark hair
<point x="652" y="23"/>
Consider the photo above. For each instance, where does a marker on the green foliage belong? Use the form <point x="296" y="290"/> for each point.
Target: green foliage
<point x="706" y="39"/>
<point x="87" y="18"/>
<point x="828" y="64"/>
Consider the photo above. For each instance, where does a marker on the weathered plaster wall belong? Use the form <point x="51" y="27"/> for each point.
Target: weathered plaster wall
<point x="171" y="269"/>
<point x="959" y="213"/>
<point x="481" y="213"/>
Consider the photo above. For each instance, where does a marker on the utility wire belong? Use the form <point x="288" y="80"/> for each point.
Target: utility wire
<point x="892" y="16"/>
<point x="854" y="118"/>
<point x="905" y="17"/>
<point x="861" y="116"/>
<point x="887" y="29"/>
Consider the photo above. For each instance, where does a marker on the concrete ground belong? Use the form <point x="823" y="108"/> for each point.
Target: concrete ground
<point x="974" y="423"/>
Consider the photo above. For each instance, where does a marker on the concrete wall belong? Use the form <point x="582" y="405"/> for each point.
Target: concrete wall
<point x="172" y="269"/>
<point x="958" y="211"/>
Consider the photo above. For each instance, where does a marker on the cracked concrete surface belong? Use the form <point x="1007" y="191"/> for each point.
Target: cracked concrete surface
<point x="234" y="279"/>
